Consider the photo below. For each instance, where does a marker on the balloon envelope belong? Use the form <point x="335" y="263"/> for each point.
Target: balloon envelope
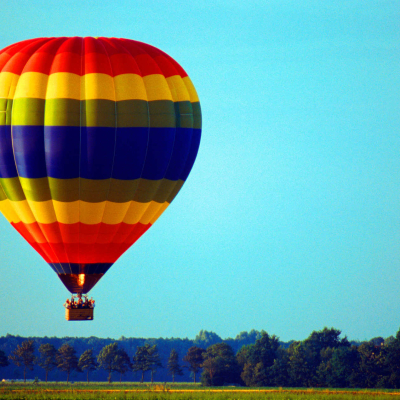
<point x="97" y="137"/>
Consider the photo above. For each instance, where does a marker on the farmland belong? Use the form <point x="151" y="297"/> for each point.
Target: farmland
<point x="161" y="391"/>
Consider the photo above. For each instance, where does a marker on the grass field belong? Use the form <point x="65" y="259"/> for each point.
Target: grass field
<point x="160" y="391"/>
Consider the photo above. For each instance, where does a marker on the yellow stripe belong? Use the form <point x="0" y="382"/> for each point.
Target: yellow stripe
<point x="50" y="211"/>
<point x="32" y="84"/>
<point x="157" y="87"/>
<point x="67" y="213"/>
<point x="150" y="212"/>
<point x="43" y="211"/>
<point x="97" y="86"/>
<point x="47" y="212"/>
<point x="135" y="212"/>
<point x="7" y="210"/>
<point x="190" y="88"/>
<point x="23" y="211"/>
<point x="159" y="212"/>
<point x="8" y="84"/>
<point x="114" y="213"/>
<point x="65" y="85"/>
<point x="178" y="88"/>
<point x="91" y="213"/>
<point x="129" y="87"/>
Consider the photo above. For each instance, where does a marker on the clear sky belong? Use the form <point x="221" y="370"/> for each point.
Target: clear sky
<point x="290" y="219"/>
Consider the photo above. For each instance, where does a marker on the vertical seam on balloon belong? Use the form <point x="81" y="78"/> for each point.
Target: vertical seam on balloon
<point x="147" y="147"/>
<point x="44" y="148"/>
<point x="191" y="136"/>
<point x="115" y="141"/>
<point x="134" y="226"/>
<point x="56" y="257"/>
<point x="80" y="148"/>
<point x="173" y="145"/>
<point x="44" y="127"/>
<point x="184" y="167"/>
<point x="137" y="44"/>
<point x="1" y="186"/>
<point x="11" y="202"/>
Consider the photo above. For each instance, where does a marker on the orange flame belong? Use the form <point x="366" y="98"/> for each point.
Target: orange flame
<point x="81" y="279"/>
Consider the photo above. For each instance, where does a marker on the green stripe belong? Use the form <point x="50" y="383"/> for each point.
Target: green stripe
<point x="101" y="113"/>
<point x="89" y="190"/>
<point x="3" y="196"/>
<point x="5" y="111"/>
<point x="175" y="191"/>
<point x="196" y="115"/>
<point x="12" y="188"/>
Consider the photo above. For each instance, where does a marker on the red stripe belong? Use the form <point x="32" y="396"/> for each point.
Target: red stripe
<point x="81" y="243"/>
<point x="107" y="56"/>
<point x="39" y="62"/>
<point x="31" y="233"/>
<point x="4" y="57"/>
<point x="72" y="45"/>
<point x="67" y="62"/>
<point x="13" y="48"/>
<point x="17" y="62"/>
<point x="97" y="63"/>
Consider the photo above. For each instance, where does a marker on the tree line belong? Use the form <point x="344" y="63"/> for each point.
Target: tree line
<point x="324" y="359"/>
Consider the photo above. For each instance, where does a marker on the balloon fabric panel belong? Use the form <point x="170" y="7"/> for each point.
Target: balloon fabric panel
<point x="97" y="137"/>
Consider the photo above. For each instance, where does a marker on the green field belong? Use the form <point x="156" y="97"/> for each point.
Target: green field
<point x="161" y="391"/>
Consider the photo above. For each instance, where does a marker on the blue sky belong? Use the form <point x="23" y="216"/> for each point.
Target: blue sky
<point x="290" y="220"/>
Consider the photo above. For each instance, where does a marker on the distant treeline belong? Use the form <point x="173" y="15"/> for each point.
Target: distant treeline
<point x="253" y="358"/>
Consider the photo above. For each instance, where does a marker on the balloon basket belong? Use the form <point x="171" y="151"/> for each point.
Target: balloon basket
<point x="79" y="314"/>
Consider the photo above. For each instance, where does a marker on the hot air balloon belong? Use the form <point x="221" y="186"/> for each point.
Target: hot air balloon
<point x="97" y="137"/>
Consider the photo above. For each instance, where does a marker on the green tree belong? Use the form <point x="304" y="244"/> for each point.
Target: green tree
<point x="23" y="356"/>
<point x="67" y="360"/>
<point x="344" y="366"/>
<point x="47" y="359"/>
<point x="256" y="361"/>
<point x="281" y="367"/>
<point x="245" y="365"/>
<point x="262" y="356"/>
<point x="206" y="339"/>
<point x="141" y="360"/>
<point x="173" y="364"/>
<point x="107" y="359"/>
<point x="319" y="340"/>
<point x="123" y="363"/>
<point x="154" y="360"/>
<point x="300" y="372"/>
<point x="220" y="366"/>
<point x="372" y="365"/>
<point x="3" y="359"/>
<point x="194" y="357"/>
<point x="87" y="362"/>
<point x="393" y="360"/>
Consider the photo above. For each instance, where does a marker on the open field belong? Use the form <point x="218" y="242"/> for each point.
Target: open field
<point x="161" y="391"/>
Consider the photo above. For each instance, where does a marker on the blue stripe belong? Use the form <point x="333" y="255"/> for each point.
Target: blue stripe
<point x="159" y="151"/>
<point x="130" y="152"/>
<point x="183" y="139"/>
<point x="7" y="164"/>
<point x="53" y="151"/>
<point x="97" y="152"/>
<point x="62" y="151"/>
<point x="194" y="148"/>
<point x="28" y="143"/>
<point x="87" y="269"/>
